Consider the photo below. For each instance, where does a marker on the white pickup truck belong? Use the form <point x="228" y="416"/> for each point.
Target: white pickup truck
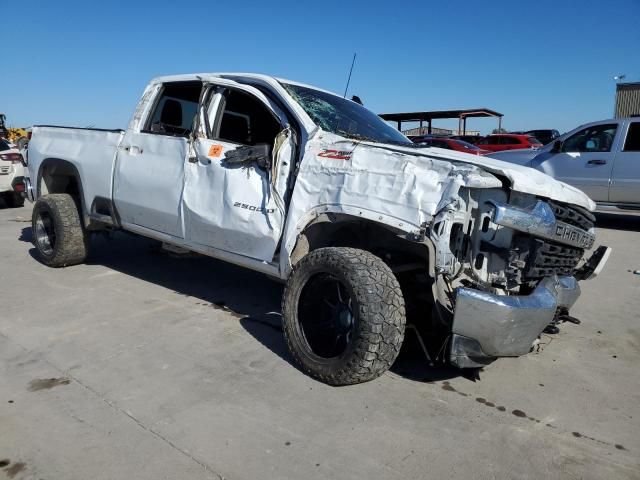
<point x="600" y="158"/>
<point x="366" y="229"/>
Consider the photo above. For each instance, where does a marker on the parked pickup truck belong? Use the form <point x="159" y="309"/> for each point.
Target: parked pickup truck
<point x="366" y="229"/>
<point x="600" y="158"/>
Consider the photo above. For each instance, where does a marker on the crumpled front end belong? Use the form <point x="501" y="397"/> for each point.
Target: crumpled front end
<point x="487" y="326"/>
<point x="508" y="265"/>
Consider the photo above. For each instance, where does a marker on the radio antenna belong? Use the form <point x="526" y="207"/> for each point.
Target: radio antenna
<point x="349" y="78"/>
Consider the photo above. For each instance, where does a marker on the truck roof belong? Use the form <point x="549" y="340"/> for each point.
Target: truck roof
<point x="233" y="76"/>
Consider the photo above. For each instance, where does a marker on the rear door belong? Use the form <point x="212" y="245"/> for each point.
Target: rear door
<point x="238" y="207"/>
<point x="149" y="173"/>
<point x="585" y="160"/>
<point x="625" y="178"/>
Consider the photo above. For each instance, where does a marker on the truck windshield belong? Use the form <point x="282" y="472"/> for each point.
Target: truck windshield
<point x="344" y="117"/>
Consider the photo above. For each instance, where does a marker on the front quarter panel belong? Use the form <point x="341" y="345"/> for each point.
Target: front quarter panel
<point x="400" y="191"/>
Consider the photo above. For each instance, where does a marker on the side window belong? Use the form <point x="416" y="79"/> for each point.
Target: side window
<point x="598" y="138"/>
<point x="632" y="143"/>
<point x="441" y="144"/>
<point x="244" y="119"/>
<point x="507" y="141"/>
<point x="494" y="140"/>
<point x="175" y="110"/>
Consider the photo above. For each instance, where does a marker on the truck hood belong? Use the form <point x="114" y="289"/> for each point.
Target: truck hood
<point x="521" y="179"/>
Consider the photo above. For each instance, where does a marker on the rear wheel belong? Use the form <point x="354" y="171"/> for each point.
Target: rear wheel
<point x="57" y="231"/>
<point x="344" y="315"/>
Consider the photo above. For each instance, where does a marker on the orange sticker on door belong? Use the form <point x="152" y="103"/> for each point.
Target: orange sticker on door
<point x="215" y="150"/>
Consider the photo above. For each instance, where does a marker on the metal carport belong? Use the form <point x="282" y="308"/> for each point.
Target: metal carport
<point x="461" y="115"/>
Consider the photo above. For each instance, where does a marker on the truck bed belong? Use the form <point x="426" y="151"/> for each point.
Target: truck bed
<point x="87" y="149"/>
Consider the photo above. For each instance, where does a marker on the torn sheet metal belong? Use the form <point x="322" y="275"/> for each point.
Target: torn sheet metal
<point x="387" y="186"/>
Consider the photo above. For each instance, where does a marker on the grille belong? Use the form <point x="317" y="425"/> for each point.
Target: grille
<point x="547" y="258"/>
<point x="573" y="216"/>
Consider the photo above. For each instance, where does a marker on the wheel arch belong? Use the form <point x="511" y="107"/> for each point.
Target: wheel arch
<point x="56" y="175"/>
<point x="394" y="240"/>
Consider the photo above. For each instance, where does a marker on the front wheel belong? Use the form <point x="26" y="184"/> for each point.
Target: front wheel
<point x="343" y="315"/>
<point x="57" y="231"/>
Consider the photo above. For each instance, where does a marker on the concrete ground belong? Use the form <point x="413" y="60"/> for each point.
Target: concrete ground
<point x="139" y="365"/>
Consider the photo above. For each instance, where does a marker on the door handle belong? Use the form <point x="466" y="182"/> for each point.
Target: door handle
<point x="132" y="149"/>
<point x="597" y="162"/>
<point x="203" y="161"/>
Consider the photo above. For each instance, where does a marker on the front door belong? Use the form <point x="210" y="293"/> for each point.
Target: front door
<point x="149" y="174"/>
<point x="585" y="160"/>
<point x="238" y="207"/>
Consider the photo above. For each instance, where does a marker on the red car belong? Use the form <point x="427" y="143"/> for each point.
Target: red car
<point x="450" y="144"/>
<point x="508" y="141"/>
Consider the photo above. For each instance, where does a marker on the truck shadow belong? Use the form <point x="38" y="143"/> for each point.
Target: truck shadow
<point x="618" y="221"/>
<point x="251" y="297"/>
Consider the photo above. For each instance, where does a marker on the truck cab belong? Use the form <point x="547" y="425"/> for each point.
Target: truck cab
<point x="600" y="158"/>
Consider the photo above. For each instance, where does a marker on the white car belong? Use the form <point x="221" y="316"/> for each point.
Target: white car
<point x="600" y="158"/>
<point x="12" y="171"/>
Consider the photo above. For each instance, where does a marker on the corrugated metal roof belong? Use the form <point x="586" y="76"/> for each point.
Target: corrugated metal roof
<point x="627" y="99"/>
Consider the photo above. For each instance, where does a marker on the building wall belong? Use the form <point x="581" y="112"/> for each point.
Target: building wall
<point x="627" y="99"/>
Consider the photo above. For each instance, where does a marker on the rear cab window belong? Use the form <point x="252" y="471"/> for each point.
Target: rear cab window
<point x="175" y="109"/>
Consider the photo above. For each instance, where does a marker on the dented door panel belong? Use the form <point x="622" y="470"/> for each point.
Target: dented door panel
<point x="231" y="208"/>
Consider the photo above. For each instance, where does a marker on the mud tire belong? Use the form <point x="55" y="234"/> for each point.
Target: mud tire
<point x="60" y="213"/>
<point x="378" y="311"/>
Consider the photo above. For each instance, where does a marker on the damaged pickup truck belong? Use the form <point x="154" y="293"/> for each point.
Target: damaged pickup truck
<point x="368" y="230"/>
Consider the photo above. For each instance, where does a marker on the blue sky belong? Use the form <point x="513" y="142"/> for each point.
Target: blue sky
<point x="544" y="64"/>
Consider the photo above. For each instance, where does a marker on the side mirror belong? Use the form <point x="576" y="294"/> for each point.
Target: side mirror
<point x="242" y="156"/>
<point x="557" y="146"/>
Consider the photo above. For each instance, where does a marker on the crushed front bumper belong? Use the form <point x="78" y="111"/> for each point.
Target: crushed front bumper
<point x="487" y="326"/>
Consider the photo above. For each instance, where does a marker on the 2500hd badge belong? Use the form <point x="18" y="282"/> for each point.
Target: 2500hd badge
<point x="253" y="208"/>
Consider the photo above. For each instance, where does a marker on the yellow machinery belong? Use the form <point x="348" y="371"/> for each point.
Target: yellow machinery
<point x="19" y="136"/>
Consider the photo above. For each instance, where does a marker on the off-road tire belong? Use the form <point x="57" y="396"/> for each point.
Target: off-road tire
<point x="378" y="308"/>
<point x="70" y="247"/>
<point x="13" y="200"/>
